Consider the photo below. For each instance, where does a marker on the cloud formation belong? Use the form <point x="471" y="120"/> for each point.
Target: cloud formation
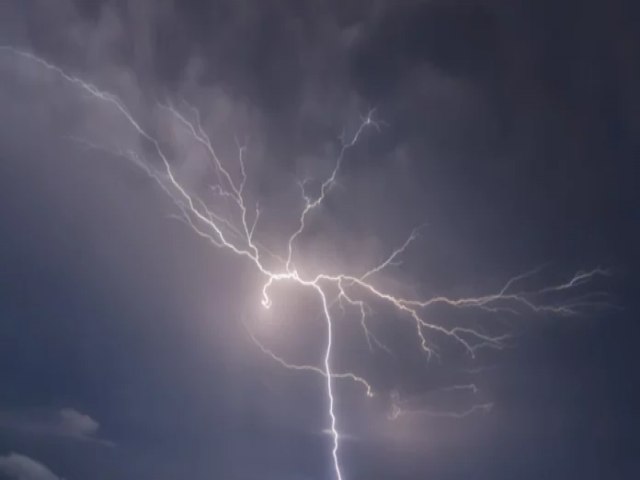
<point x="77" y="424"/>
<point x="21" y="467"/>
<point x="472" y="133"/>
<point x="67" y="422"/>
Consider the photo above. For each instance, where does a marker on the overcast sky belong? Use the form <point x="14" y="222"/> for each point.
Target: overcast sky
<point x="510" y="130"/>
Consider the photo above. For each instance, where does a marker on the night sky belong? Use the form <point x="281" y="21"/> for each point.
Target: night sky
<point x="508" y="130"/>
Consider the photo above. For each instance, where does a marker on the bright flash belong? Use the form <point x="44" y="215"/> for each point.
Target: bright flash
<point x="235" y="230"/>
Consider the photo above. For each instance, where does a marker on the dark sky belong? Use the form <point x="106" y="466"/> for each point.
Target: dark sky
<point x="511" y="128"/>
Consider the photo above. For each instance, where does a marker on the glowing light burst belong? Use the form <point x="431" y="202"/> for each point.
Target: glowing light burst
<point x="235" y="231"/>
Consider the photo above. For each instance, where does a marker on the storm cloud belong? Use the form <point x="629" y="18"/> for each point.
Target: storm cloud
<point x="508" y="130"/>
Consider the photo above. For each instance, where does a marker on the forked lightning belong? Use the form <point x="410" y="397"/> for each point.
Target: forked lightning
<point x="236" y="229"/>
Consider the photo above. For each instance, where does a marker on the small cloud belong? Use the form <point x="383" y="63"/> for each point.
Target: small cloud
<point x="21" y="467"/>
<point x="77" y="424"/>
<point x="67" y="422"/>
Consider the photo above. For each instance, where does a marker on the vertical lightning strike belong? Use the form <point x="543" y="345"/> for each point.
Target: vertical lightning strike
<point x="234" y="228"/>
<point x="327" y="369"/>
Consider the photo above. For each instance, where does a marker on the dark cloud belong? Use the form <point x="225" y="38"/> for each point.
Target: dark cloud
<point x="509" y="127"/>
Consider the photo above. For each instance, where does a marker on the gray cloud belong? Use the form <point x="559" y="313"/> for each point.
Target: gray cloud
<point x="21" y="467"/>
<point x="67" y="422"/>
<point x="289" y="76"/>
<point x="77" y="424"/>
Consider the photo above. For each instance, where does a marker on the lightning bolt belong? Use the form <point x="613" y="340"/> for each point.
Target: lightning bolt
<point x="406" y="406"/>
<point x="230" y="223"/>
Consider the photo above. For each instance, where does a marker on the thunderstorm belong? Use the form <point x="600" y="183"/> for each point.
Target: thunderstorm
<point x="231" y="221"/>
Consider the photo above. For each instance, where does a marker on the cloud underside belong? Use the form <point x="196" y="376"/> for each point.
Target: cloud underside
<point x="21" y="467"/>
